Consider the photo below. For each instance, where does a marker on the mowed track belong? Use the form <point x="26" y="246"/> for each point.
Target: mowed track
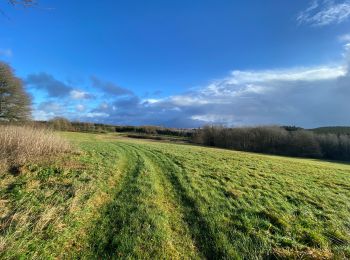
<point x="155" y="214"/>
<point x="144" y="218"/>
<point x="156" y="200"/>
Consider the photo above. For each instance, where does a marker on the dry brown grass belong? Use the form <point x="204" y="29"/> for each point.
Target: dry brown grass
<point x="20" y="144"/>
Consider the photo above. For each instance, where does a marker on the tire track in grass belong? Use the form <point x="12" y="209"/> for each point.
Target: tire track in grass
<point x="113" y="218"/>
<point x="134" y="224"/>
<point x="210" y="243"/>
<point x="178" y="231"/>
<point x="77" y="243"/>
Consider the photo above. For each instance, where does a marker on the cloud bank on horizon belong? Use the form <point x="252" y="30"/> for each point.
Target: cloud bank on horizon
<point x="308" y="96"/>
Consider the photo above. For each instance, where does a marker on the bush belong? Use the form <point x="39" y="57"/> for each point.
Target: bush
<point x="20" y="144"/>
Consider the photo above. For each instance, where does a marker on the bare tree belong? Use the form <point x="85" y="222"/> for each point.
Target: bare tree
<point x="14" y="101"/>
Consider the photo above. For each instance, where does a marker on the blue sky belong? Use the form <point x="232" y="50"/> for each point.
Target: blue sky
<point x="183" y="63"/>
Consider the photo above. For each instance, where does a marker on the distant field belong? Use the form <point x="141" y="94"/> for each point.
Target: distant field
<point x="130" y="198"/>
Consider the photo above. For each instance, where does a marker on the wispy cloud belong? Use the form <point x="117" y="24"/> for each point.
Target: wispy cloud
<point x="294" y="74"/>
<point x="321" y="13"/>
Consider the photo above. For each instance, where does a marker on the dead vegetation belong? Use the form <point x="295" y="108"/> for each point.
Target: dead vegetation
<point x="20" y="144"/>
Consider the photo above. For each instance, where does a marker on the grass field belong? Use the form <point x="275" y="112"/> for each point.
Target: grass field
<point x="127" y="198"/>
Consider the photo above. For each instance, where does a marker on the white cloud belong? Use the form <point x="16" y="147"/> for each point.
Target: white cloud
<point x="47" y="110"/>
<point x="321" y="13"/>
<point x="6" y="53"/>
<point x="78" y="94"/>
<point x="42" y="115"/>
<point x="303" y="74"/>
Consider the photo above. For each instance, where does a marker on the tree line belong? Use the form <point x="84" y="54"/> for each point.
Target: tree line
<point x="63" y="124"/>
<point x="276" y="140"/>
<point x="343" y="130"/>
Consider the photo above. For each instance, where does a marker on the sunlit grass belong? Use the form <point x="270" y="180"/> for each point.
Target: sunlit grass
<point x="124" y="198"/>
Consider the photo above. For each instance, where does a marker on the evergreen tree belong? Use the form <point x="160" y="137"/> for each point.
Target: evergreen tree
<point x="14" y="101"/>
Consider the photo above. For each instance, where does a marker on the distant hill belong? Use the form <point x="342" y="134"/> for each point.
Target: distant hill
<point x="339" y="130"/>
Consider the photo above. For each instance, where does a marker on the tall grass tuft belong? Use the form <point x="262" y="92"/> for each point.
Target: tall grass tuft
<point x="20" y="144"/>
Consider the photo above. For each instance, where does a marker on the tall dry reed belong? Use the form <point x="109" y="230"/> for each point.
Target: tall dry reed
<point x="19" y="144"/>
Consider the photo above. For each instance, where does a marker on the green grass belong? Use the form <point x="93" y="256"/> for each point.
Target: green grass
<point x="126" y="198"/>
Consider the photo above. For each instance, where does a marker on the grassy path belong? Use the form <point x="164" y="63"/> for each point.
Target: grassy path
<point x="130" y="199"/>
<point x="143" y="218"/>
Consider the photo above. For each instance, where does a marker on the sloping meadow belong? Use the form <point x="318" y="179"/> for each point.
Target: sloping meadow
<point x="123" y="198"/>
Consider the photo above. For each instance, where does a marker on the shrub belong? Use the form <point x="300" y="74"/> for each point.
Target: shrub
<point x="19" y="144"/>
